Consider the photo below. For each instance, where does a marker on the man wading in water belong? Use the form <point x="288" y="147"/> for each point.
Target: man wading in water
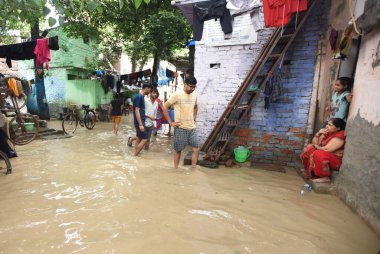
<point x="185" y="113"/>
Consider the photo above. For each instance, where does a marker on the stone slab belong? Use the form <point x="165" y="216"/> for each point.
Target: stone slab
<point x="201" y="162"/>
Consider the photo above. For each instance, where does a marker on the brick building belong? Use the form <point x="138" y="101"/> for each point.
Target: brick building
<point x="278" y="134"/>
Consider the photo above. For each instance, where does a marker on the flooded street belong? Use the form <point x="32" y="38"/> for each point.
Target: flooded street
<point x="88" y="194"/>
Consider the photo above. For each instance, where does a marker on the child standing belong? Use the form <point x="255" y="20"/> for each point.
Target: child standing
<point x="340" y="99"/>
<point x="115" y="110"/>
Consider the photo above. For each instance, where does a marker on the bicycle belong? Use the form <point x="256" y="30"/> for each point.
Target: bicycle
<point x="23" y="127"/>
<point x="73" y="117"/>
<point x="4" y="161"/>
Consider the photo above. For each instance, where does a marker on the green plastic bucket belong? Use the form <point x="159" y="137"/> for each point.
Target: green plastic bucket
<point x="29" y="126"/>
<point x="241" y="154"/>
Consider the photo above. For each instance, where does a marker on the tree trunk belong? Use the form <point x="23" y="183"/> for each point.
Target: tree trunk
<point x="133" y="62"/>
<point x="156" y="65"/>
<point x="142" y="63"/>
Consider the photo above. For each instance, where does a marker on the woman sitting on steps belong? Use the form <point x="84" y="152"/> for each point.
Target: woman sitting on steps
<point x="325" y="151"/>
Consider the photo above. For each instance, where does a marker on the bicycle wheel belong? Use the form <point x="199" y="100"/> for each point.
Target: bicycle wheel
<point x="23" y="128"/>
<point x="90" y="119"/>
<point x="4" y="92"/>
<point x="69" y="123"/>
<point x="5" y="163"/>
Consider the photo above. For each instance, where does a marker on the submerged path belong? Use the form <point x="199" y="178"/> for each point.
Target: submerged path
<point x="88" y="194"/>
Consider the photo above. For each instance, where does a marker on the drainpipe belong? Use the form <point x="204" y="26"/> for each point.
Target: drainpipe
<point x="314" y="102"/>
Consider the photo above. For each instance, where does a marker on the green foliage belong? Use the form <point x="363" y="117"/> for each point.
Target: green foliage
<point x="143" y="28"/>
<point x="17" y="15"/>
<point x="13" y="11"/>
<point x="165" y="31"/>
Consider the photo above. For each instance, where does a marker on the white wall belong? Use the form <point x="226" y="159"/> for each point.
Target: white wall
<point x="216" y="87"/>
<point x="366" y="91"/>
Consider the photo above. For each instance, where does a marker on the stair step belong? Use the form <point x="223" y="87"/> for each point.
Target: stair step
<point x="216" y="151"/>
<point x="285" y="38"/>
<point x="224" y="136"/>
<point x="233" y="122"/>
<point x="262" y="75"/>
<point x="274" y="56"/>
<point x="242" y="101"/>
<point x="242" y="107"/>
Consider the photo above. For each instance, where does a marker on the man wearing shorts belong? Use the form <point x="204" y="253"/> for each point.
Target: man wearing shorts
<point x="115" y="110"/>
<point x="151" y="106"/>
<point x="185" y="113"/>
<point x="139" y="117"/>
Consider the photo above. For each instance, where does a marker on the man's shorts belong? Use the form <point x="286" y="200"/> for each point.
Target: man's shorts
<point x="148" y="131"/>
<point x="116" y="119"/>
<point x="141" y="135"/>
<point x="183" y="137"/>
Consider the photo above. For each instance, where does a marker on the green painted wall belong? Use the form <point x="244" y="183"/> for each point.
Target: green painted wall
<point x="73" y="52"/>
<point x="86" y="92"/>
<point x="66" y="81"/>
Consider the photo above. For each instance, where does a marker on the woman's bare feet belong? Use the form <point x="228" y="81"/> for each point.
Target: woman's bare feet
<point x="322" y="180"/>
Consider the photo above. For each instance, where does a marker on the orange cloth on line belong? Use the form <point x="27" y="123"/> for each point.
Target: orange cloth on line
<point x="13" y="86"/>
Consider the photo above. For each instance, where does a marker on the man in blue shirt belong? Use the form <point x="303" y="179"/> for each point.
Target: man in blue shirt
<point x="139" y="117"/>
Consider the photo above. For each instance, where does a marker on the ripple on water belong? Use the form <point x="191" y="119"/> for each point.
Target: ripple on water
<point x="213" y="214"/>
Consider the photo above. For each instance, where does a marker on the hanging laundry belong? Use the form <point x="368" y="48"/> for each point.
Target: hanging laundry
<point x="118" y="86"/>
<point x="140" y="75"/>
<point x="278" y="12"/>
<point x="257" y="19"/>
<point x="273" y="88"/>
<point x="13" y="87"/>
<point x="42" y="52"/>
<point x="20" y="88"/>
<point x="53" y="43"/>
<point x="133" y="76"/>
<point x="214" y="9"/>
<point x="297" y="5"/>
<point x="344" y="42"/>
<point x="333" y="38"/>
<point x="239" y="7"/>
<point x="169" y="74"/>
<point x="125" y="78"/>
<point x="18" y="51"/>
<point x="147" y="73"/>
<point x="110" y="79"/>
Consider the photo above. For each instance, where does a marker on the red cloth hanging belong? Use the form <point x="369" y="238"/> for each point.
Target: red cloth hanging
<point x="278" y="12"/>
<point x="42" y="52"/>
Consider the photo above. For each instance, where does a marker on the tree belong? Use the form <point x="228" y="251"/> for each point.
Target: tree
<point x="152" y="30"/>
<point x="17" y="14"/>
<point x="165" y="31"/>
<point x="142" y="30"/>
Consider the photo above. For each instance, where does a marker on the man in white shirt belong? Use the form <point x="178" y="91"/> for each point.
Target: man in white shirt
<point x="151" y="107"/>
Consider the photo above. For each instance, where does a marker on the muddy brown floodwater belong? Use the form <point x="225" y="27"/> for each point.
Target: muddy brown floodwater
<point x="88" y="194"/>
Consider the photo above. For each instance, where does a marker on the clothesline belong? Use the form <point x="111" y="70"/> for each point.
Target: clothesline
<point x="39" y="50"/>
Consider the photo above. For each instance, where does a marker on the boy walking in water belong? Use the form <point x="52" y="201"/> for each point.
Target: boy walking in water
<point x="151" y="106"/>
<point x="139" y="117"/>
<point x="115" y="110"/>
<point x="185" y="113"/>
